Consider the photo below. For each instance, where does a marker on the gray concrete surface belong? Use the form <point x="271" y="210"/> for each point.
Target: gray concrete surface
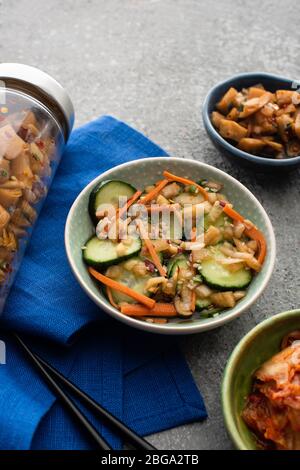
<point x="151" y="62"/>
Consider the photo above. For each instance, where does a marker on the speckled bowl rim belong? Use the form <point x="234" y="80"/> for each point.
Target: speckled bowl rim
<point x="231" y="148"/>
<point x="154" y="327"/>
<point x="230" y="368"/>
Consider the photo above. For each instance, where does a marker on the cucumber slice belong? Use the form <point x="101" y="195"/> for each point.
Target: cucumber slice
<point x="179" y="261"/>
<point x="129" y="279"/>
<point x="202" y="303"/>
<point x="101" y="253"/>
<point x="217" y="276"/>
<point x="108" y="192"/>
<point x="219" y="223"/>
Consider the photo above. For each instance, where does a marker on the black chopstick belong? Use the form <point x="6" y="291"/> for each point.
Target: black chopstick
<point x="128" y="434"/>
<point x="65" y="399"/>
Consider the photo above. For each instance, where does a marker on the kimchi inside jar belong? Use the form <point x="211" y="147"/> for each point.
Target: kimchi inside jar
<point x="32" y="139"/>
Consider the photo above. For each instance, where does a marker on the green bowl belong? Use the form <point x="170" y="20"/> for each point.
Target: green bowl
<point x="260" y="344"/>
<point x="141" y="173"/>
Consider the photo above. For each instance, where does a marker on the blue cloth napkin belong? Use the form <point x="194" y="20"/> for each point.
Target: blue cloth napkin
<point x="140" y="377"/>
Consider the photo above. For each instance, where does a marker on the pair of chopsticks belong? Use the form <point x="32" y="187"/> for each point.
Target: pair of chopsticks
<point x="55" y="380"/>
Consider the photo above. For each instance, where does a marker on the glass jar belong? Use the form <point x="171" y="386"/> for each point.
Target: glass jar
<point x="36" y="118"/>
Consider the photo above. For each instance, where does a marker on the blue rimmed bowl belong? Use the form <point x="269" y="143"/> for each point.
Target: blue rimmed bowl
<point x="244" y="80"/>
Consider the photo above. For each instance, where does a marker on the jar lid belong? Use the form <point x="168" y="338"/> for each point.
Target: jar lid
<point x="45" y="83"/>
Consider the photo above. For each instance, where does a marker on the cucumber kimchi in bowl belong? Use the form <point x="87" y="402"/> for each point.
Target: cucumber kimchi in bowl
<point x="169" y="249"/>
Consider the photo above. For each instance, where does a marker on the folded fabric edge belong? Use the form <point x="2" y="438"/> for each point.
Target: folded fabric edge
<point x="184" y="380"/>
<point x="190" y="410"/>
<point x="169" y="420"/>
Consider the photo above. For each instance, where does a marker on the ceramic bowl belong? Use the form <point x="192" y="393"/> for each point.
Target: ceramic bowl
<point x="141" y="173"/>
<point x="260" y="344"/>
<point x="271" y="83"/>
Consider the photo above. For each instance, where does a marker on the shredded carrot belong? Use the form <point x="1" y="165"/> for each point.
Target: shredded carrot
<point x="256" y="234"/>
<point x="162" y="208"/>
<point x="232" y="213"/>
<point x="193" y="234"/>
<point x="125" y="208"/>
<point x="251" y="232"/>
<point x="143" y="299"/>
<point x="110" y="298"/>
<point x="152" y="195"/>
<point x="159" y="310"/>
<point x="179" y="179"/>
<point x="151" y="250"/>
